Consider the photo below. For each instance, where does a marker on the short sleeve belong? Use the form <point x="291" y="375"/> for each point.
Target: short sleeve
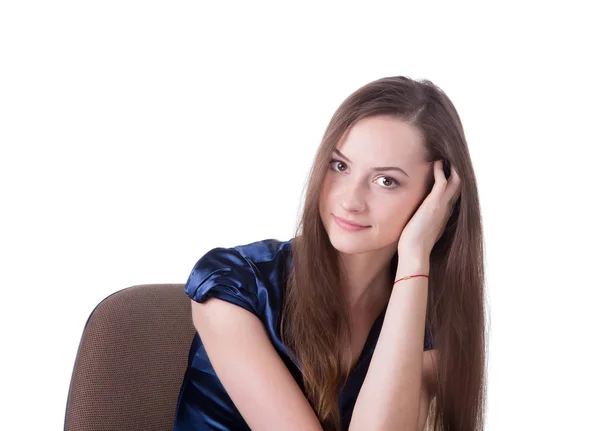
<point x="225" y="274"/>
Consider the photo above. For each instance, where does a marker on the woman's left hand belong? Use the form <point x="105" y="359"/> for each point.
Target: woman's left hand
<point x="427" y="225"/>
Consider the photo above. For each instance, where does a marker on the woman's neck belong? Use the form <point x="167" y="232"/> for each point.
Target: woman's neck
<point x="366" y="280"/>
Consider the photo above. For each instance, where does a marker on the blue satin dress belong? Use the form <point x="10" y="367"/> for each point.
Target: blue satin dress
<point x="251" y="276"/>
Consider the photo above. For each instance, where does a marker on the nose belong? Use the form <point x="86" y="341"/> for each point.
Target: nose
<point x="353" y="197"/>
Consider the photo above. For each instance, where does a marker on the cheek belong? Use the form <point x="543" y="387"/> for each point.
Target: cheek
<point x="395" y="217"/>
<point x="398" y="219"/>
<point x="327" y="187"/>
<point x="325" y="193"/>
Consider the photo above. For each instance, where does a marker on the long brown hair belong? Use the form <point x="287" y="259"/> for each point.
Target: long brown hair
<point x="315" y="320"/>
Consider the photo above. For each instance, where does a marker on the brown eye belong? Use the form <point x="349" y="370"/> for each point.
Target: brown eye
<point x="389" y="183"/>
<point x="336" y="164"/>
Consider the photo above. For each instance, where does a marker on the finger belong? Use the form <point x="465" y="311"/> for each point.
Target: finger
<point x="438" y="173"/>
<point x="454" y="175"/>
<point x="454" y="185"/>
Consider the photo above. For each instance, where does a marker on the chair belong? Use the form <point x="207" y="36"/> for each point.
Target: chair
<point x="131" y="361"/>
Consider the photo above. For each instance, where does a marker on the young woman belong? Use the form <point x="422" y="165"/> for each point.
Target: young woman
<point x="372" y="316"/>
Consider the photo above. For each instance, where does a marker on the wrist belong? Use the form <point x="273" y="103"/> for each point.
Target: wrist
<point x="413" y="258"/>
<point x="411" y="266"/>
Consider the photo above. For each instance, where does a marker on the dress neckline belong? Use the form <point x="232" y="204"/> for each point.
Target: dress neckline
<point x="369" y="345"/>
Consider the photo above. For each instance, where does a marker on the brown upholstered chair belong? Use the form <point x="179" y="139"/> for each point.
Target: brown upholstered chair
<point x="131" y="361"/>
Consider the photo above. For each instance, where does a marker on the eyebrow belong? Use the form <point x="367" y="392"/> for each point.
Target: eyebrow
<point x="377" y="168"/>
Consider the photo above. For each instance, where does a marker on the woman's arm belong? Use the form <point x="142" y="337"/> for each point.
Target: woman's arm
<point x="255" y="377"/>
<point x="397" y="382"/>
<point x="395" y="389"/>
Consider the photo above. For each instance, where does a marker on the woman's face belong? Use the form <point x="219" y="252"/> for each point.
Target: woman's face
<point x="361" y="187"/>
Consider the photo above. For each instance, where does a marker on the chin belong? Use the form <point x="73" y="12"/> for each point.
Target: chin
<point x="349" y="242"/>
<point x="349" y="248"/>
<point x="356" y="243"/>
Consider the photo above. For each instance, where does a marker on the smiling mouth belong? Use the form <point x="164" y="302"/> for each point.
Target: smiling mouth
<point x="347" y="225"/>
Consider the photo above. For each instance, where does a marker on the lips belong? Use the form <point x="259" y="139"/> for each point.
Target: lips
<point x="348" y="222"/>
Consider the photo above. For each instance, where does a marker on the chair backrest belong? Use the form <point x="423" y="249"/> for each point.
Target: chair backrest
<point x="131" y="361"/>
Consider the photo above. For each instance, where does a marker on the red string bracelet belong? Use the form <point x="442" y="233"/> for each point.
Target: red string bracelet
<point x="410" y="276"/>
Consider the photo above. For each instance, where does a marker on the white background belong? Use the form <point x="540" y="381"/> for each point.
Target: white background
<point x="135" y="136"/>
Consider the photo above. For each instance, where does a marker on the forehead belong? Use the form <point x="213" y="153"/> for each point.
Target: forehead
<point x="379" y="139"/>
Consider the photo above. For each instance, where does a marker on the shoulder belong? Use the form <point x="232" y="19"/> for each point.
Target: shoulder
<point x="251" y="275"/>
<point x="264" y="251"/>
